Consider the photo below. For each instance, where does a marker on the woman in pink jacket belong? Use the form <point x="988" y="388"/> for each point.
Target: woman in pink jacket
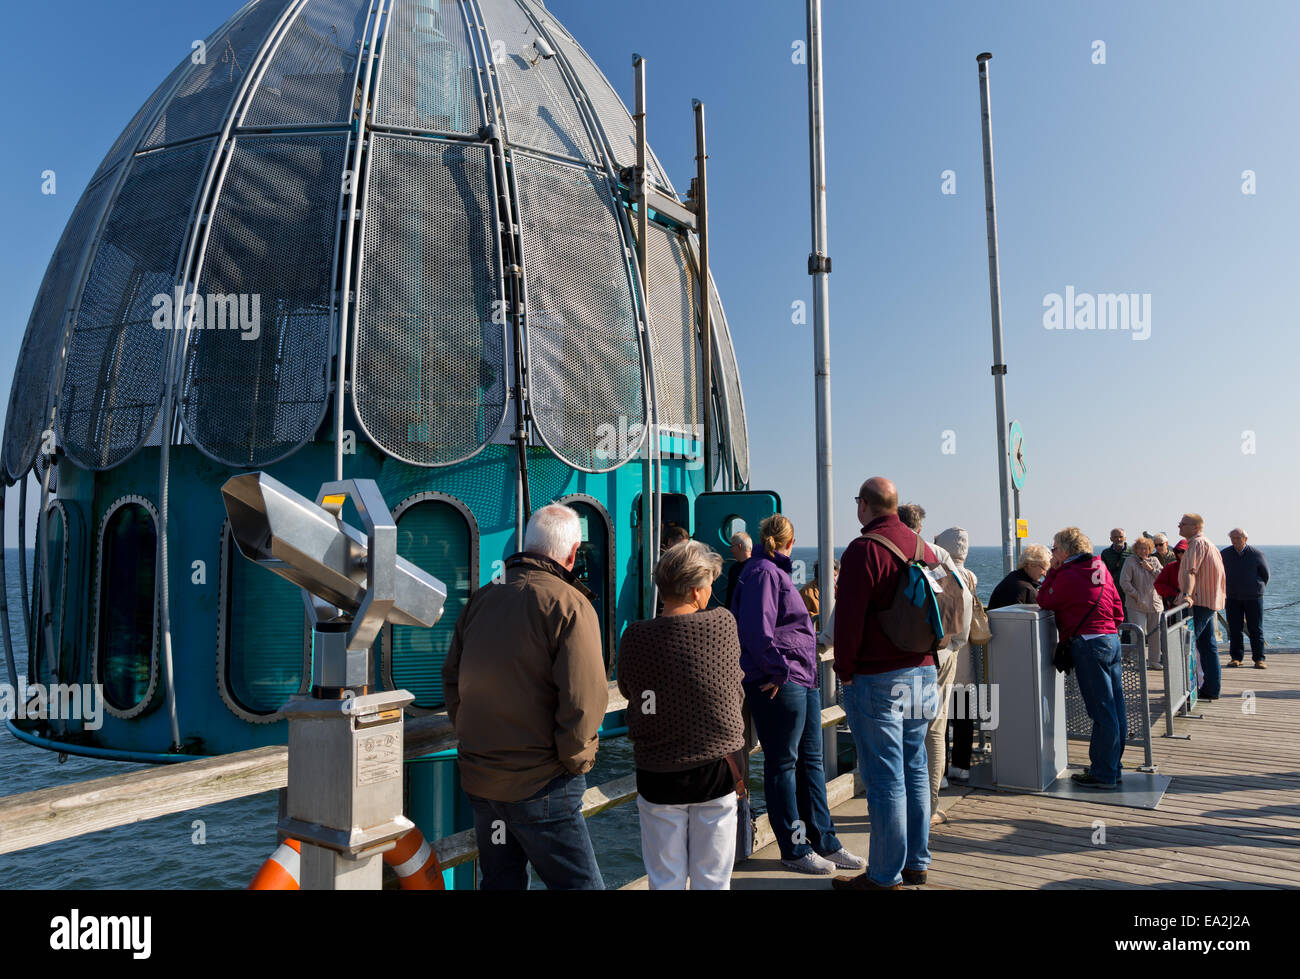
<point x="1081" y="592"/>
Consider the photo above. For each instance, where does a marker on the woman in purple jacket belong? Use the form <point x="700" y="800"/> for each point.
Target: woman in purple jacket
<point x="778" y="654"/>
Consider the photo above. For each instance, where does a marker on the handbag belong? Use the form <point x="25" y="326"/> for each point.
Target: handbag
<point x="745" y="826"/>
<point x="1062" y="658"/>
<point x="980" y="634"/>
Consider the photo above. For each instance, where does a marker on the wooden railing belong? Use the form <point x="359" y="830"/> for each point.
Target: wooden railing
<point x="48" y="815"/>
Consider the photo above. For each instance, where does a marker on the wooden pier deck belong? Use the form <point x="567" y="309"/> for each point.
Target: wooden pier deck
<point x="1230" y="819"/>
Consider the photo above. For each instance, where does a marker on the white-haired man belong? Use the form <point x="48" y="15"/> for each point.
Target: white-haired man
<point x="526" y="691"/>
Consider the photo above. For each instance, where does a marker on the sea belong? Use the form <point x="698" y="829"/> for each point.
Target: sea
<point x="222" y="846"/>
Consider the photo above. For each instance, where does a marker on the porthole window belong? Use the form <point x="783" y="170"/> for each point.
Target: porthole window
<point x="439" y="534"/>
<point x="56" y="529"/>
<point x="263" y="652"/>
<point x="126" y="628"/>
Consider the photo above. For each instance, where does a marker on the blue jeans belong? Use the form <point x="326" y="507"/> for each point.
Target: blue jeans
<point x="1252" y="610"/>
<point x="1207" y="651"/>
<point x="888" y="713"/>
<point x="1098" y="667"/>
<point x="546" y="830"/>
<point x="789" y="728"/>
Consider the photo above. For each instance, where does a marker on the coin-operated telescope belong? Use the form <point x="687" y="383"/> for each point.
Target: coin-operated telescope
<point x="344" y="801"/>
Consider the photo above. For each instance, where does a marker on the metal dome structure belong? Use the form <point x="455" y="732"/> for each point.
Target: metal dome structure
<point x="231" y="182"/>
<point x="388" y="238"/>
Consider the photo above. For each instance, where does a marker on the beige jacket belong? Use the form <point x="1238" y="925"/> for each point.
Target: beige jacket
<point x="1137" y="582"/>
<point x="525" y="681"/>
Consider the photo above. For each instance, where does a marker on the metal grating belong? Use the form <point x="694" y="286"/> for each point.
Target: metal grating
<point x="584" y="354"/>
<point x="674" y="333"/>
<point x="609" y="109"/>
<point x="427" y="76"/>
<point x="113" y="383"/>
<point x="724" y="363"/>
<point x="1079" y="725"/>
<point x="200" y="105"/>
<point x="130" y="136"/>
<point x="34" y="372"/>
<point x="311" y="79"/>
<point x="540" y="111"/>
<point x="254" y="392"/>
<point x="429" y="374"/>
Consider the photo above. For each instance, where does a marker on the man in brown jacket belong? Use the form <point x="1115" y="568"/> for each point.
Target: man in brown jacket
<point x="526" y="691"/>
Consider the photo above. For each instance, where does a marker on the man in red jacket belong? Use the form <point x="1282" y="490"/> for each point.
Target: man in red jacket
<point x="1080" y="590"/>
<point x="889" y="696"/>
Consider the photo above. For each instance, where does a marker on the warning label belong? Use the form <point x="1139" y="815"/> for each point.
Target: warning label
<point x="379" y="757"/>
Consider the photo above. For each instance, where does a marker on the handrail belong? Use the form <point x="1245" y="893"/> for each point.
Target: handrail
<point x="43" y="816"/>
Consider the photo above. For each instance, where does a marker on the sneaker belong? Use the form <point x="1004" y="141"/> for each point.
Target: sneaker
<point x="943" y="781"/>
<point x="862" y="883"/>
<point x="845" y="860"/>
<point x="810" y="863"/>
<point x="959" y="774"/>
<point x="937" y="817"/>
<point x="913" y="878"/>
<point x="1233" y="663"/>
<point x="1155" y="666"/>
<point x="1261" y="665"/>
<point x="1087" y="779"/>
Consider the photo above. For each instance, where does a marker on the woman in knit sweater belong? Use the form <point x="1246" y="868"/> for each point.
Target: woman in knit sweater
<point x="681" y="675"/>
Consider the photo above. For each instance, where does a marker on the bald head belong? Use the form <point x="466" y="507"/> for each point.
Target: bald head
<point x="878" y="496"/>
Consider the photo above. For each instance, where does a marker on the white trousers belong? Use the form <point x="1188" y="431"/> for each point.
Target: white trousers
<point x="695" y="841"/>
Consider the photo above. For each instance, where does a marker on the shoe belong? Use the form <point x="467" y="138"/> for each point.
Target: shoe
<point x="862" y="883"/>
<point x="959" y="775"/>
<point x="1087" y="779"/>
<point x="1233" y="663"/>
<point x="1261" y="665"/>
<point x="810" y="863"/>
<point x="936" y="818"/>
<point x="1204" y="699"/>
<point x="913" y="878"/>
<point x="845" y="860"/>
<point x="943" y="781"/>
<point x="1155" y="666"/>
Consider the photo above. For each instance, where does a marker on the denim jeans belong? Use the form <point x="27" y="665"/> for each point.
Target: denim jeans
<point x="789" y="728"/>
<point x="1252" y="610"/>
<point x="546" y="830"/>
<point x="1207" y="651"/>
<point x="1098" y="667"/>
<point x="887" y="714"/>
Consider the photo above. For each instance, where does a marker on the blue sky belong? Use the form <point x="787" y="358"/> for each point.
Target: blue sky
<point x="1122" y="177"/>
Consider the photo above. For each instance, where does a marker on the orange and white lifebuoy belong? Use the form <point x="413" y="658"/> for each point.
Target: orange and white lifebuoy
<point x="415" y="863"/>
<point x="280" y="872"/>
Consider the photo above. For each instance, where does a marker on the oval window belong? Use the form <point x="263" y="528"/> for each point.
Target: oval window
<point x="127" y="606"/>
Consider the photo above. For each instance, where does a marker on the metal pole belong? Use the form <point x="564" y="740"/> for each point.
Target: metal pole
<point x="819" y="267"/>
<point x="706" y="324"/>
<point x="649" y="483"/>
<point x="1017" y="513"/>
<point x="11" y="667"/>
<point x="995" y="304"/>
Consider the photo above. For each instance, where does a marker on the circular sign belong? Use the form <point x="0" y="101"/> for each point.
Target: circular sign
<point x="1017" y="449"/>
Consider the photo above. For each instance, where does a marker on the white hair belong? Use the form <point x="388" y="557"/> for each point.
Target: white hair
<point x="552" y="531"/>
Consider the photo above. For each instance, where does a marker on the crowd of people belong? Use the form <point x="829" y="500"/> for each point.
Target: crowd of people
<point x="527" y="692"/>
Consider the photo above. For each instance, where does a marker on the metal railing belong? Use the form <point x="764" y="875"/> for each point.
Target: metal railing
<point x="1137" y="702"/>
<point x="1178" y="651"/>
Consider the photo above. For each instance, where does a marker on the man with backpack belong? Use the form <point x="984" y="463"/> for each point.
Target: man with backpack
<point x="888" y="625"/>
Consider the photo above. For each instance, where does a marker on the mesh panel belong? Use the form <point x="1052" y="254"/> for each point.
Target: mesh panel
<point x="584" y="356"/>
<point x="429" y="371"/>
<point x="724" y="363"/>
<point x="674" y="333"/>
<point x="312" y="77"/>
<point x="130" y="136"/>
<point x="610" y="111"/>
<point x="255" y="393"/>
<point x="1078" y="724"/>
<point x="113" y="383"/>
<point x="540" y="111"/>
<point x="29" y="398"/>
<point x="200" y="104"/>
<point x="427" y="78"/>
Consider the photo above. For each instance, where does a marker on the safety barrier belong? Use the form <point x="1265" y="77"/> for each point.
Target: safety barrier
<point x="1178" y="650"/>
<point x="1137" y="704"/>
